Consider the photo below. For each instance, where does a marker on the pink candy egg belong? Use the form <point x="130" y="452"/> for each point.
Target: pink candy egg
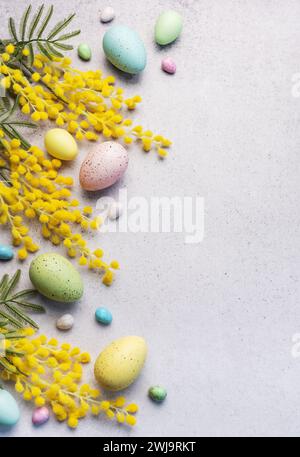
<point x="40" y="415"/>
<point x="168" y="65"/>
<point x="103" y="166"/>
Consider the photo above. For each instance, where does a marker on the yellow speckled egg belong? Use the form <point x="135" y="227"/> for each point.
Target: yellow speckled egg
<point x="120" y="363"/>
<point x="60" y="144"/>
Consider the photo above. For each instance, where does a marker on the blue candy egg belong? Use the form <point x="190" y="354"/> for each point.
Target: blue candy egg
<point x="103" y="316"/>
<point x="9" y="410"/>
<point x="124" y="49"/>
<point x="6" y="252"/>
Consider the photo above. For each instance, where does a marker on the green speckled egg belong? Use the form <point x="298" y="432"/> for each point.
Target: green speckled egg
<point x="56" y="278"/>
<point x="157" y="393"/>
<point x="121" y="362"/>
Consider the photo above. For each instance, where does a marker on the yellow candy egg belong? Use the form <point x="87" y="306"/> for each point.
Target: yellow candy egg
<point x="120" y="363"/>
<point x="60" y="144"/>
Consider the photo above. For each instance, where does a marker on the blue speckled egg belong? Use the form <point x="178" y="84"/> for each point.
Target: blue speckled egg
<point x="124" y="49"/>
<point x="9" y="410"/>
<point x="6" y="252"/>
<point x="103" y="316"/>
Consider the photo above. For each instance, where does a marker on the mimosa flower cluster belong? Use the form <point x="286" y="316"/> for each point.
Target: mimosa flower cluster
<point x="36" y="191"/>
<point x="47" y="373"/>
<point x="86" y="103"/>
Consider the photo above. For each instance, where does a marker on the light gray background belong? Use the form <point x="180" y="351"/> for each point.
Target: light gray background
<point x="219" y="316"/>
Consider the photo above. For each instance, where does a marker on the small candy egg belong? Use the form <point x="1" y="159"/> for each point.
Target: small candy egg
<point x="40" y="415"/>
<point x="157" y="393"/>
<point x="168" y="65"/>
<point x="84" y="52"/>
<point x="65" y="322"/>
<point x="6" y="252"/>
<point x="60" y="144"/>
<point x="168" y="27"/>
<point x="107" y="14"/>
<point x="115" y="211"/>
<point x="9" y="410"/>
<point x="103" y="166"/>
<point x="103" y="316"/>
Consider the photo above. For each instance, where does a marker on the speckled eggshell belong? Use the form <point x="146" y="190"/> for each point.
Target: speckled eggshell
<point x="120" y="363"/>
<point x="103" y="166"/>
<point x="124" y="49"/>
<point x="56" y="278"/>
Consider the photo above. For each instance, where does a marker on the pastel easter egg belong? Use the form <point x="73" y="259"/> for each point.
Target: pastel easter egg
<point x="9" y="410"/>
<point x="103" y="166"/>
<point x="157" y="393"/>
<point x="124" y="49"/>
<point x="120" y="363"/>
<point x="168" y="27"/>
<point x="56" y="278"/>
<point x="60" y="144"/>
<point x="168" y="65"/>
<point x="6" y="252"/>
<point x="84" y="52"/>
<point x="40" y="415"/>
<point x="65" y="322"/>
<point x="103" y="316"/>
<point x="107" y="14"/>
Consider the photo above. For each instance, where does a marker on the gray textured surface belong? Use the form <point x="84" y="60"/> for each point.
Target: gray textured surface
<point x="218" y="317"/>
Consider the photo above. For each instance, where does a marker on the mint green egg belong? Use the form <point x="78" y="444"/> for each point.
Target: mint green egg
<point x="124" y="49"/>
<point x="9" y="410"/>
<point x="56" y="278"/>
<point x="168" y="27"/>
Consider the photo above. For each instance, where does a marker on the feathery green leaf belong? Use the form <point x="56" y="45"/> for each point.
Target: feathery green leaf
<point x="12" y="29"/>
<point x="23" y="23"/>
<point x="60" y="26"/>
<point x="45" y="22"/>
<point x="35" y="21"/>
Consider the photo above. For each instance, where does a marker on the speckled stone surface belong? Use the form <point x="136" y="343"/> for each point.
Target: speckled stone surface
<point x="218" y="317"/>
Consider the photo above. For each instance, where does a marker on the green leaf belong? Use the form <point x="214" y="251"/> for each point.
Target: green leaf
<point x="15" y="105"/>
<point x="32" y="306"/>
<point x="28" y="125"/>
<point x="45" y="22"/>
<point x="35" y="21"/>
<point x="23" y="23"/>
<point x="14" y="352"/>
<point x="21" y="315"/>
<point x="60" y="26"/>
<point x="11" y="284"/>
<point x="7" y="365"/>
<point x="67" y="36"/>
<point x="12" y="29"/>
<point x="44" y="50"/>
<point x="16" y="134"/>
<point x="64" y="47"/>
<point x="31" y="54"/>
<point x="53" y="51"/>
<point x="24" y="293"/>
<point x="11" y="319"/>
<point x="3" y="282"/>
<point x="3" y="323"/>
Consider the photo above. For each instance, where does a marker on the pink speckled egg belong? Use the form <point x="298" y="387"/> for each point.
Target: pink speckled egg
<point x="168" y="65"/>
<point x="103" y="166"/>
<point x="40" y="415"/>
